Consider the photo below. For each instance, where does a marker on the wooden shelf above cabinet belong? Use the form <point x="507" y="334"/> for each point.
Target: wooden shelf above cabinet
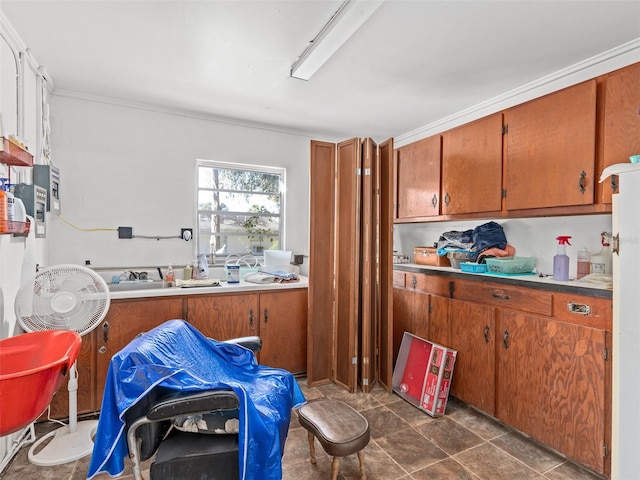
<point x="12" y="154"/>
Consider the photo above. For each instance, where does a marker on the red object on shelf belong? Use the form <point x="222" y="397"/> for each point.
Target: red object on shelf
<point x="16" y="228"/>
<point x="12" y="154"/>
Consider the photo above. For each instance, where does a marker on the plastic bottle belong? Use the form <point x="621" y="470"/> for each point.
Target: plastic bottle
<point x="601" y="261"/>
<point x="188" y="272"/>
<point x="169" y="275"/>
<point x="4" y="214"/>
<point x="11" y="201"/>
<point x="584" y="262"/>
<point x="561" y="260"/>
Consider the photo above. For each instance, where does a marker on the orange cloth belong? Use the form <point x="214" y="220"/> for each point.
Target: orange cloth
<point x="509" y="251"/>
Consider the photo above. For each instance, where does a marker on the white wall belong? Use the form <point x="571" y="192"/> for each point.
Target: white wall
<point x="128" y="166"/>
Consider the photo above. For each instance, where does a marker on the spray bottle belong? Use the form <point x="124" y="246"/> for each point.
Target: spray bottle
<point x="601" y="261"/>
<point x="561" y="260"/>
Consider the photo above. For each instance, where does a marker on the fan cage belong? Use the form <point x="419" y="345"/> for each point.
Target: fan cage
<point x="63" y="297"/>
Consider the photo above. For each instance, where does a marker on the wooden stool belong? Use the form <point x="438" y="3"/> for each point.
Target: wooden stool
<point x="340" y="429"/>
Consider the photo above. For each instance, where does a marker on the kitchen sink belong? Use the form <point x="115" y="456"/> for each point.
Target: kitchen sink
<point x="129" y="286"/>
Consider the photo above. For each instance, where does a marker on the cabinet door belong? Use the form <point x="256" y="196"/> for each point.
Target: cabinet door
<point x="621" y="137"/>
<point x="410" y="314"/>
<point x="126" y="320"/>
<point x="551" y="384"/>
<point x="402" y="321"/>
<point x="418" y="178"/>
<point x="439" y="320"/>
<point x="222" y="317"/>
<point x="472" y="334"/>
<point x="86" y="394"/>
<point x="550" y="156"/>
<point x="283" y="329"/>
<point x="472" y="167"/>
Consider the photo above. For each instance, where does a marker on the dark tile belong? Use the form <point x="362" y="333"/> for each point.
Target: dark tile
<point x="296" y="448"/>
<point x="447" y="469"/>
<point x="383" y="421"/>
<point x="527" y="451"/>
<point x="479" y="423"/>
<point x="359" y="401"/>
<point x="488" y="461"/>
<point x="569" y="471"/>
<point x="410" y="414"/>
<point x="410" y="449"/>
<point x="449" y="435"/>
<point x="378" y="465"/>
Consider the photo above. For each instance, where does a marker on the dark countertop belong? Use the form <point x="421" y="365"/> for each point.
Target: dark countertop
<point x="529" y="281"/>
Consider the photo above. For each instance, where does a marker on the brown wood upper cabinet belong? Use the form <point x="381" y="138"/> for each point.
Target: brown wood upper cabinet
<point x="621" y="126"/>
<point x="550" y="150"/>
<point x="418" y="178"/>
<point x="472" y="167"/>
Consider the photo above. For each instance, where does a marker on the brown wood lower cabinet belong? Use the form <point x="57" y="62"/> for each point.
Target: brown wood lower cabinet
<point x="222" y="317"/>
<point x="469" y="328"/>
<point x="279" y="317"/>
<point x="540" y="365"/>
<point x="410" y="314"/>
<point x="552" y="384"/>
<point x="283" y="329"/>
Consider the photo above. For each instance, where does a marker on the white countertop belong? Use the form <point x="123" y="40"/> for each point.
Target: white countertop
<point x="224" y="288"/>
<point x="535" y="278"/>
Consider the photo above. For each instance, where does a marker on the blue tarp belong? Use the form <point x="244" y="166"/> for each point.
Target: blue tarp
<point x="178" y="357"/>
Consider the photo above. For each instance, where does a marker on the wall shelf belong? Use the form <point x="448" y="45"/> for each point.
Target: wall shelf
<point x="12" y="154"/>
<point x="20" y="229"/>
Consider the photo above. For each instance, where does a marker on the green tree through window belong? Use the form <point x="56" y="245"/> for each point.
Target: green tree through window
<point x="239" y="209"/>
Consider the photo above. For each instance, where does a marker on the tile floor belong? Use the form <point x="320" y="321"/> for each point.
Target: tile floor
<point x="406" y="444"/>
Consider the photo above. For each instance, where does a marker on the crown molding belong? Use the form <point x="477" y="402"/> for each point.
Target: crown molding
<point x="617" y="57"/>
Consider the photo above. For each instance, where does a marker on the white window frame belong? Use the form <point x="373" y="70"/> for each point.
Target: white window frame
<point x="219" y="259"/>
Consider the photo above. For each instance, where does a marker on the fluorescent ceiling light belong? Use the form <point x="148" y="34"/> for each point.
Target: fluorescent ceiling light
<point x="347" y="19"/>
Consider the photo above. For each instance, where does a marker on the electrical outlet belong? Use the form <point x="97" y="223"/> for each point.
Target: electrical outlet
<point x="125" y="232"/>
<point x="186" y="234"/>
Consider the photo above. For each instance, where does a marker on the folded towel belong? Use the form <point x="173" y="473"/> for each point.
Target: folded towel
<point x="261" y="278"/>
<point x="280" y="274"/>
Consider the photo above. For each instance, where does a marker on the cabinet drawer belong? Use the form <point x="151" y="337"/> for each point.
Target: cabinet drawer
<point x="586" y="311"/>
<point x="398" y="279"/>
<point x="435" y="285"/>
<point x="517" y="298"/>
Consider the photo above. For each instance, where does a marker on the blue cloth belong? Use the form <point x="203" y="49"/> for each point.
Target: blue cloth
<point x="178" y="357"/>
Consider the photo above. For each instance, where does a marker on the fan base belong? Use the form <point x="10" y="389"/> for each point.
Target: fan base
<point x="65" y="446"/>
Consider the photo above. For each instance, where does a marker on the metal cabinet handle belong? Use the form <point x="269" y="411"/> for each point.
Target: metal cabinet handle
<point x="500" y="296"/>
<point x="414" y="281"/>
<point x="579" y="308"/>
<point x="434" y="201"/>
<point x="505" y="339"/>
<point x="447" y="199"/>
<point x="251" y="317"/>
<point x="614" y="183"/>
<point x="582" y="182"/>
<point x="266" y="315"/>
<point x="486" y="334"/>
<point x="102" y="349"/>
<point x="105" y="331"/>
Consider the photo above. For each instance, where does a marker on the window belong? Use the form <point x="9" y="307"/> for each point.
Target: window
<point x="239" y="209"/>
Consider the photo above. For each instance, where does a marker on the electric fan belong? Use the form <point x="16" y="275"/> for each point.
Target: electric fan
<point x="64" y="297"/>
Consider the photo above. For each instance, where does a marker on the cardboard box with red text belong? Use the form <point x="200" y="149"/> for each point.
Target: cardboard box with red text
<point x="423" y="372"/>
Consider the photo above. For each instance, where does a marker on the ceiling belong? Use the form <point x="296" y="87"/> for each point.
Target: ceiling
<point x="412" y="63"/>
